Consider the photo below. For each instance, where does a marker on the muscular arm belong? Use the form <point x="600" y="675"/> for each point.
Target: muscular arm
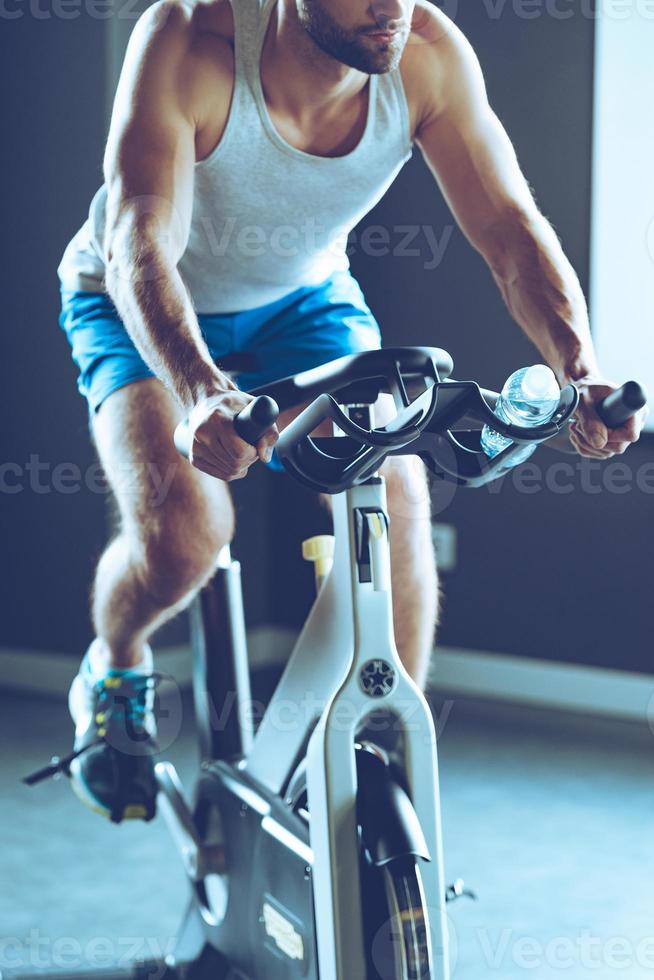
<point x="149" y="176"/>
<point x="475" y="165"/>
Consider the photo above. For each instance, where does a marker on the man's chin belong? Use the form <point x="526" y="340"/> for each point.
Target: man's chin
<point x="383" y="57"/>
<point x="383" y="69"/>
<point x="386" y="58"/>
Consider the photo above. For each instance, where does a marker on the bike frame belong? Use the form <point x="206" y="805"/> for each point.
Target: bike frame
<point x="346" y="646"/>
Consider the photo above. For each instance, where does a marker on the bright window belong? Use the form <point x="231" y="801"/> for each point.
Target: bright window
<point x="622" y="263"/>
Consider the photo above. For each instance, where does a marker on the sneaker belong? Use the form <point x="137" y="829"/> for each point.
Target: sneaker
<point x="113" y="710"/>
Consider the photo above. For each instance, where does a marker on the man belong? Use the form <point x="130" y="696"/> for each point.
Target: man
<point x="246" y="140"/>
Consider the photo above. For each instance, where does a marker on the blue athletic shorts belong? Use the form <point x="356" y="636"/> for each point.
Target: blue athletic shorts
<point x="306" y="328"/>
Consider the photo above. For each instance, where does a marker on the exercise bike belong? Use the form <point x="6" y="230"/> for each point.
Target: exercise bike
<point x="311" y="851"/>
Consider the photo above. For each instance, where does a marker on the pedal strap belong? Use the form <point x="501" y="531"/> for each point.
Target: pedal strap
<point x="57" y="766"/>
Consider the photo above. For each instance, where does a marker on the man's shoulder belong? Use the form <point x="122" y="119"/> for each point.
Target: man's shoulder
<point x="434" y="41"/>
<point x="435" y="54"/>
<point x="190" y="19"/>
<point x="187" y="46"/>
<point x="200" y="33"/>
<point x="429" y="24"/>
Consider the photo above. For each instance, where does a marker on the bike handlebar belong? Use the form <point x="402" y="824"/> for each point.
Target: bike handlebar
<point x="436" y="425"/>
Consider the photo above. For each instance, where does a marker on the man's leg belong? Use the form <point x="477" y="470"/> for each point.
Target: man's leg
<point x="173" y="520"/>
<point x="414" y="577"/>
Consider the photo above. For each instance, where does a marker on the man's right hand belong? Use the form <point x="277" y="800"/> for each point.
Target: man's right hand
<point x="216" y="449"/>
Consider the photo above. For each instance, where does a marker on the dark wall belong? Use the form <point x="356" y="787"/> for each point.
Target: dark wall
<point x="52" y="74"/>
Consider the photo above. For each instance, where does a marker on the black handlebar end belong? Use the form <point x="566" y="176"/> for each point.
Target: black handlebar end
<point x="621" y="405"/>
<point x="256" y="418"/>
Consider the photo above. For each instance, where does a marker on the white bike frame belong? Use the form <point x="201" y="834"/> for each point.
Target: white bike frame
<point x="349" y="632"/>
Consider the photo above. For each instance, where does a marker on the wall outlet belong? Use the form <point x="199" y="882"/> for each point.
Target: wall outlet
<point x="444" y="538"/>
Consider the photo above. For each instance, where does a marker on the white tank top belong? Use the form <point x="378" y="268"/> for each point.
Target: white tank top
<point x="267" y="218"/>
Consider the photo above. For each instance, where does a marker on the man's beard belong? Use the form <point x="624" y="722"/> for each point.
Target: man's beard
<point x="350" y="47"/>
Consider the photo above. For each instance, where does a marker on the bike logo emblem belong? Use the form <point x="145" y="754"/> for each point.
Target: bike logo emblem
<point x="377" y="678"/>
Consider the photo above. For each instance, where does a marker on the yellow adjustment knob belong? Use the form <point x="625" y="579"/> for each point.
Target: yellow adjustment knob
<point x="376" y="526"/>
<point x="320" y="550"/>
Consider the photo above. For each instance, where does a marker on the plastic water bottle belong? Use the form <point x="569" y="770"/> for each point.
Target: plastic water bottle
<point x="529" y="397"/>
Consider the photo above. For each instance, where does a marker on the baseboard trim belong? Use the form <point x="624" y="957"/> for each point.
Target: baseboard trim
<point x="545" y="683"/>
<point x="492" y="676"/>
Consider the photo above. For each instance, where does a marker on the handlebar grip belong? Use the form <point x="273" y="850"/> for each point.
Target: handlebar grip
<point x="256" y="418"/>
<point x="250" y="424"/>
<point x="618" y="407"/>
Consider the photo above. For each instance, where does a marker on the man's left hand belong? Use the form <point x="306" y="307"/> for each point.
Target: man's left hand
<point x="588" y="434"/>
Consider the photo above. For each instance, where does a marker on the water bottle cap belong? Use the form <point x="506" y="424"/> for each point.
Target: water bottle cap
<point x="540" y="383"/>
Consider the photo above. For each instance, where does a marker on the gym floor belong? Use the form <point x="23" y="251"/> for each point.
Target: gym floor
<point x="547" y="816"/>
